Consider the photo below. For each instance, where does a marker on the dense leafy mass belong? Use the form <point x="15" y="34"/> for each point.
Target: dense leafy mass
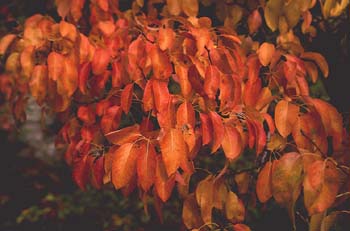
<point x="143" y="92"/>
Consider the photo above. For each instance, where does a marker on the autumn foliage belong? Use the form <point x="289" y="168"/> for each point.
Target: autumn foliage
<point x="143" y="94"/>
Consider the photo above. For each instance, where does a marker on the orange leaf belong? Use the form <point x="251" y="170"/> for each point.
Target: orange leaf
<point x="309" y="127"/>
<point x="265" y="53"/>
<point x="212" y="81"/>
<point x="226" y="92"/>
<point x="254" y="21"/>
<point x="287" y="176"/>
<point x="190" y="7"/>
<point x="311" y="71"/>
<point x="166" y="38"/>
<point x="76" y="9"/>
<point x="174" y="6"/>
<point x="106" y="27"/>
<point x="63" y="7"/>
<point x="38" y="83"/>
<point x="218" y="130"/>
<point x="321" y="186"/>
<point x="231" y="143"/>
<point x="318" y="59"/>
<point x="234" y="208"/>
<point x="124" y="164"/>
<point x="161" y="94"/>
<point x="55" y="64"/>
<point x="68" y="31"/>
<point x="185" y="84"/>
<point x="191" y="212"/>
<point x="124" y="135"/>
<point x="185" y="115"/>
<point x="146" y="165"/>
<point x="331" y="120"/>
<point x="5" y="42"/>
<point x="27" y="61"/>
<point x="263" y="183"/>
<point x="286" y="115"/>
<point x="164" y="185"/>
<point x="68" y="82"/>
<point x="205" y="197"/>
<point x="174" y="150"/>
<point x="103" y="4"/>
<point x="241" y="227"/>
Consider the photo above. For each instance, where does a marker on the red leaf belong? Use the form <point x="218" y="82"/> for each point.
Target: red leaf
<point x="124" y="164"/>
<point x="111" y="119"/>
<point x="252" y="91"/>
<point x="100" y="61"/>
<point x="96" y="164"/>
<point x="206" y="128"/>
<point x="146" y="165"/>
<point x="126" y="97"/>
<point x="161" y="94"/>
<point x="84" y="73"/>
<point x="86" y="114"/>
<point x="148" y="99"/>
<point x="162" y="68"/>
<point x="80" y="167"/>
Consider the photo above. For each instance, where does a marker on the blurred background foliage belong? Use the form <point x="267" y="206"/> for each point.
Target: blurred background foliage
<point x="37" y="192"/>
